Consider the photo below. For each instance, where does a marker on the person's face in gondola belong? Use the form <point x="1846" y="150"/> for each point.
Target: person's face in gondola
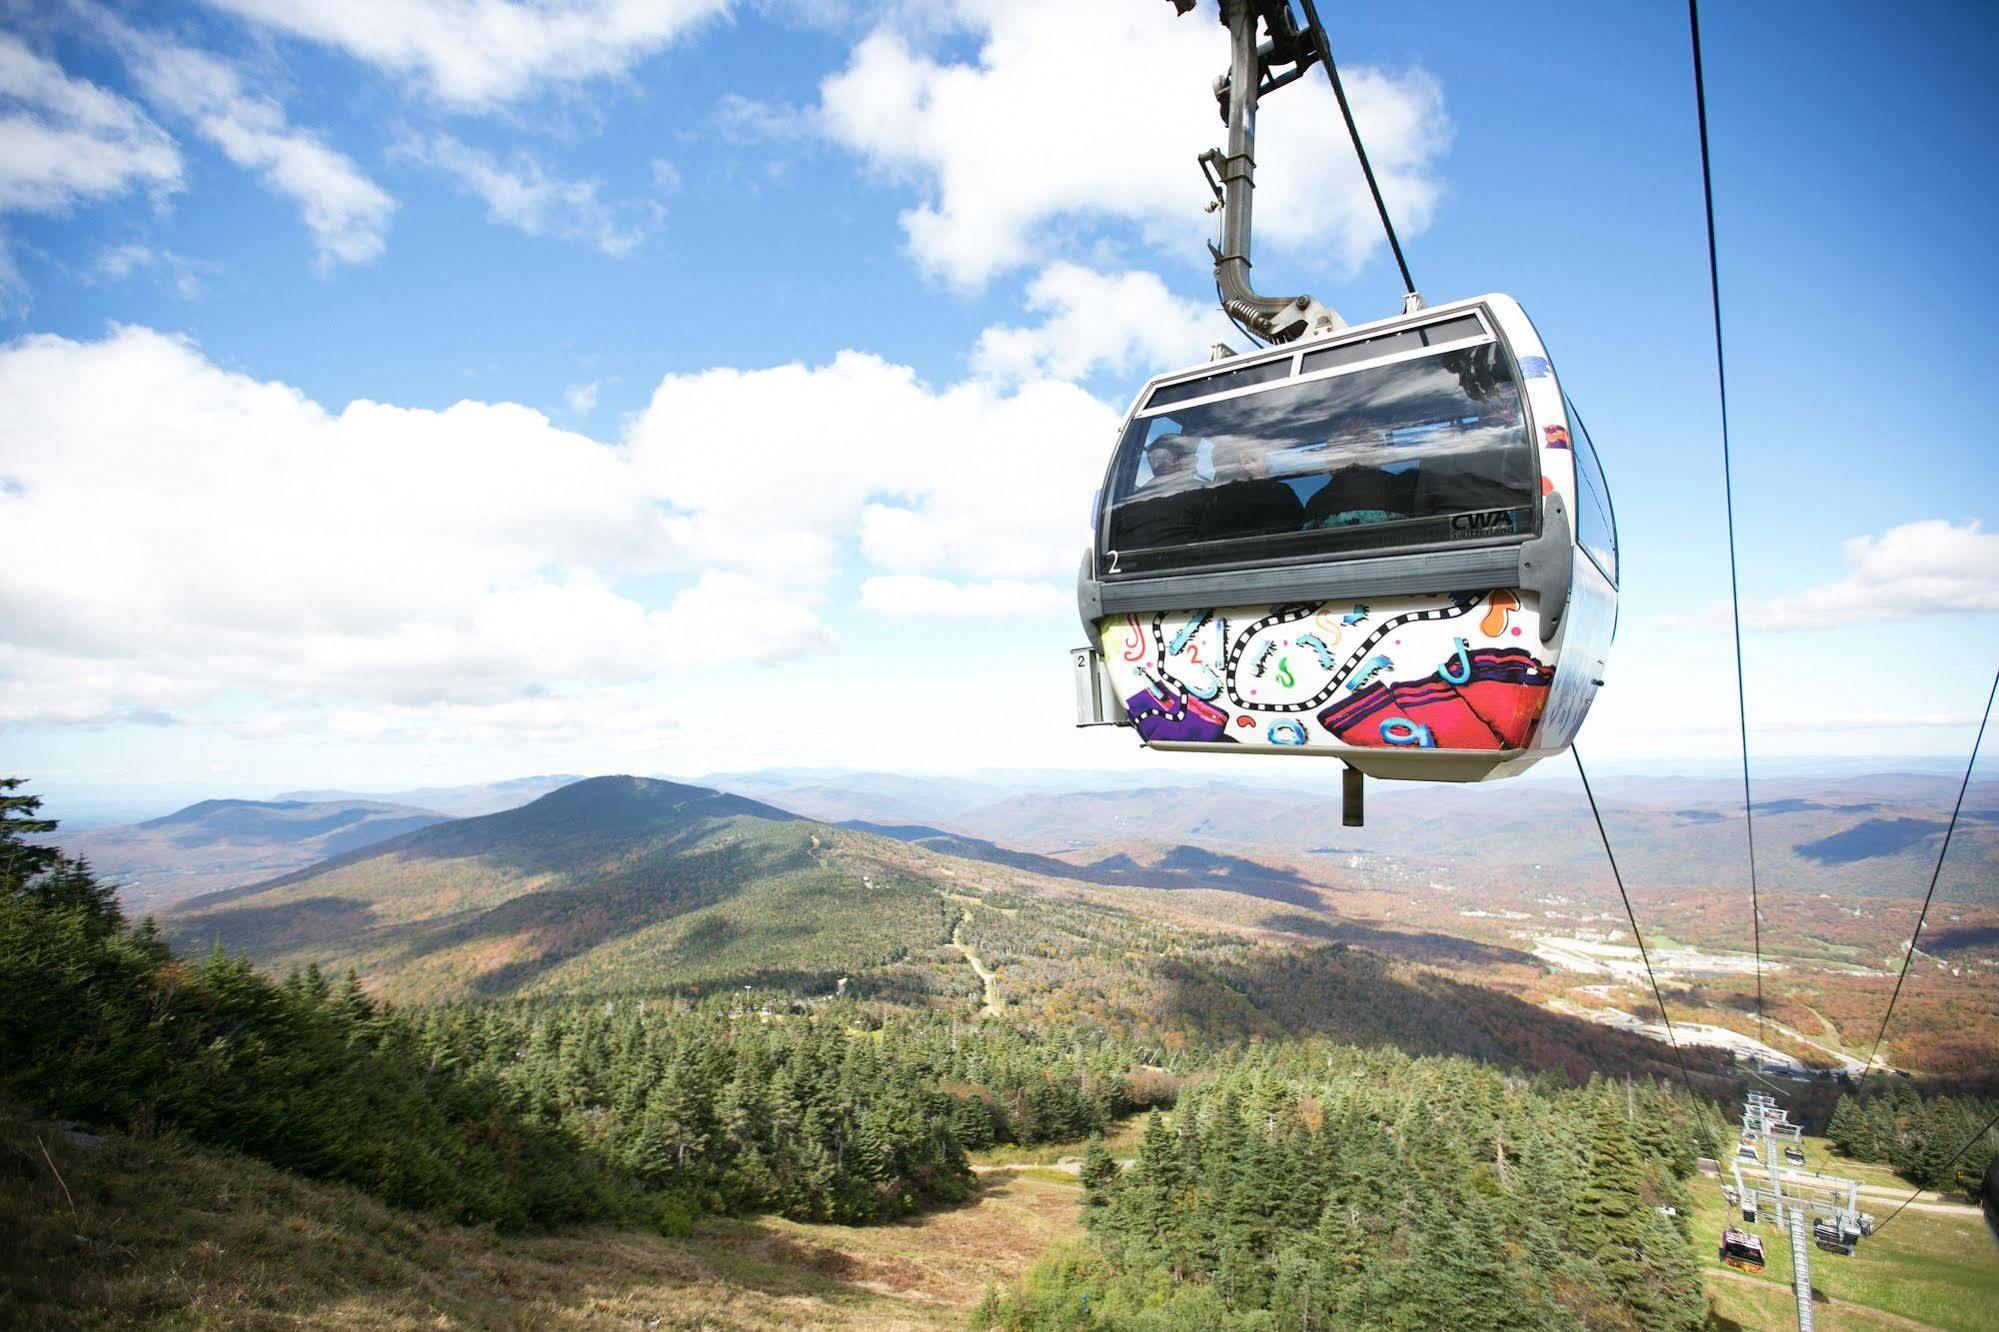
<point x="1169" y="457"/>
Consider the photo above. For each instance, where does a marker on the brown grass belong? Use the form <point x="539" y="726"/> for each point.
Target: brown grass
<point x="168" y="1235"/>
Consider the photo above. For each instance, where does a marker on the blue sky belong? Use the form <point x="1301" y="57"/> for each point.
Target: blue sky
<point x="438" y="391"/>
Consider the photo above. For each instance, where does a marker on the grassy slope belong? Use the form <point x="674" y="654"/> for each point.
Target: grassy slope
<point x="1937" y="1270"/>
<point x="163" y="1234"/>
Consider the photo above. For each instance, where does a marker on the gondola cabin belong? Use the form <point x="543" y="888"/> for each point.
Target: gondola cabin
<point x="1741" y="1249"/>
<point x="1392" y="545"/>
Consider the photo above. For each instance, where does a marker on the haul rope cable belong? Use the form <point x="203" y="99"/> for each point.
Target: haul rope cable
<point x="1360" y="151"/>
<point x="1728" y="494"/>
<point x="1629" y="915"/>
<point x="1935" y="874"/>
<point x="1735" y="613"/>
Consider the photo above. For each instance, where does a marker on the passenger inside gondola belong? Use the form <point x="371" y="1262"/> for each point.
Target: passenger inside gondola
<point x="1246" y="500"/>
<point x="1168" y="506"/>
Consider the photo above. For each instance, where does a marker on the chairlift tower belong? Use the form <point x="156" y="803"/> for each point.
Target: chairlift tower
<point x="1814" y="1208"/>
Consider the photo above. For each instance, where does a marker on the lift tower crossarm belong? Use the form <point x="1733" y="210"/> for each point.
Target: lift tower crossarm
<point x="1253" y="71"/>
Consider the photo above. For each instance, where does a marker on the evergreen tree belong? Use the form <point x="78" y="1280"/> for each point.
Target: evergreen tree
<point x="20" y="860"/>
<point x="1099" y="1174"/>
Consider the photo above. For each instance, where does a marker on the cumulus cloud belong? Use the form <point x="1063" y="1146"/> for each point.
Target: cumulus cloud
<point x="1098" y="321"/>
<point x="582" y="398"/>
<point x="65" y="141"/>
<point x="913" y="597"/>
<point x="478" y="53"/>
<point x="346" y="212"/>
<point x="1041" y="128"/>
<point x="523" y="195"/>
<point x="1931" y="567"/>
<point x="173" y="534"/>
<point x="780" y="471"/>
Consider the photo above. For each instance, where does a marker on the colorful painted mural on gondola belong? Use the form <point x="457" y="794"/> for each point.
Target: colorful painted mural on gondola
<point x="1463" y="672"/>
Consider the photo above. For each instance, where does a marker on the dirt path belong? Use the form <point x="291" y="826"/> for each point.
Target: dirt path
<point x="986" y="978"/>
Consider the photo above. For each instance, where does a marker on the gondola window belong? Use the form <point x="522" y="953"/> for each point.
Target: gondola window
<point x="1421" y="450"/>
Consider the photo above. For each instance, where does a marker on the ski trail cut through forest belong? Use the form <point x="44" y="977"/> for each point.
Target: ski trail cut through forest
<point x="986" y="978"/>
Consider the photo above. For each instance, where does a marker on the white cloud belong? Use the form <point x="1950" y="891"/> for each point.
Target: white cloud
<point x="778" y="471"/>
<point x="1098" y="321"/>
<point x="1096" y="110"/>
<point x="476" y="53"/>
<point x="347" y="213"/>
<point x="1931" y="567"/>
<point x="741" y="119"/>
<point x="118" y="262"/>
<point x="566" y="718"/>
<point x="582" y="398"/>
<point x="176" y="538"/>
<point x="913" y="597"/>
<point x="172" y="532"/>
<point x="523" y="195"/>
<point x="65" y="141"/>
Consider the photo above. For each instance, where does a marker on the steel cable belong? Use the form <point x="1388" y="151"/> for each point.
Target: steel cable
<point x="1935" y="874"/>
<point x="1360" y="149"/>
<point x="1728" y="495"/>
<point x="1631" y="916"/>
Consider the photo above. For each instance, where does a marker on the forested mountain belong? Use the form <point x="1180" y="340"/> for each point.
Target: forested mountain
<point x="613" y="882"/>
<point x="625" y="886"/>
<point x="219" y="844"/>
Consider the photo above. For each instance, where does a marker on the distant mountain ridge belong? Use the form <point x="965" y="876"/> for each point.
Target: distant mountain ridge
<point x="1868" y="836"/>
<point x="1180" y="866"/>
<point x="219" y="844"/>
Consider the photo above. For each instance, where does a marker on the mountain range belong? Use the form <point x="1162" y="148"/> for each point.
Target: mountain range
<point x="220" y="844"/>
<point x="1853" y="835"/>
<point x="633" y="886"/>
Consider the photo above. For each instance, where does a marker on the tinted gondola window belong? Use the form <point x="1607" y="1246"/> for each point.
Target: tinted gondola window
<point x="1596" y="526"/>
<point x="1426" y="451"/>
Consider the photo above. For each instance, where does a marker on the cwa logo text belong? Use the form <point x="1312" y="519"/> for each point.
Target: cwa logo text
<point x="1490" y="523"/>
